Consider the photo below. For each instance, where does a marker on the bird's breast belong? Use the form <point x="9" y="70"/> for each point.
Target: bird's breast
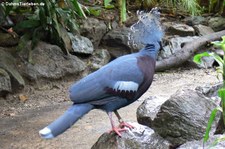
<point x="147" y="66"/>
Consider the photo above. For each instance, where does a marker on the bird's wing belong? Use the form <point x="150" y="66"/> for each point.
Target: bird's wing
<point x="121" y="77"/>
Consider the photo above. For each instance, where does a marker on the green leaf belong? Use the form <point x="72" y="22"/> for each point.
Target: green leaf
<point x="110" y="6"/>
<point x="23" y="41"/>
<point x="78" y="8"/>
<point x="65" y="39"/>
<point x="26" y="24"/>
<point x="36" y="37"/>
<point x="95" y="12"/>
<point x="55" y="22"/>
<point x="220" y="139"/>
<point x="107" y="4"/>
<point x="198" y="57"/>
<point x="216" y="43"/>
<point x="42" y="16"/>
<point x="220" y="44"/>
<point x="210" y="122"/>
<point x="221" y="94"/>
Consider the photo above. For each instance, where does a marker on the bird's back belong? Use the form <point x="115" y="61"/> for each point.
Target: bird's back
<point x="97" y="85"/>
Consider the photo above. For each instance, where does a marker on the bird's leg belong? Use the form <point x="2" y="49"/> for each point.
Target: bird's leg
<point x="117" y="130"/>
<point x="122" y="123"/>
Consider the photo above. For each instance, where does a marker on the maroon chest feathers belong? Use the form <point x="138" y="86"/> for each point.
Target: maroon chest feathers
<point x="147" y="67"/>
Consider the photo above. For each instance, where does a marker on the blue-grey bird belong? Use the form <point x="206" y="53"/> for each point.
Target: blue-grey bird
<point x="117" y="84"/>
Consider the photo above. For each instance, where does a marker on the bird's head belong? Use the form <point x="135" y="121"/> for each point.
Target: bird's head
<point x="147" y="30"/>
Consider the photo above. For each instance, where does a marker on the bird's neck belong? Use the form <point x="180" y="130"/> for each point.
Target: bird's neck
<point x="151" y="50"/>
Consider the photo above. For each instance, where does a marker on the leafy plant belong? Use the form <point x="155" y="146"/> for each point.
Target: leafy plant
<point x="221" y="91"/>
<point x="190" y="6"/>
<point x="216" y="6"/>
<point x="48" y="22"/>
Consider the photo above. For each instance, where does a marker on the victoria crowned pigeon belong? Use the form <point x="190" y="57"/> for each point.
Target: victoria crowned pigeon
<point x="117" y="84"/>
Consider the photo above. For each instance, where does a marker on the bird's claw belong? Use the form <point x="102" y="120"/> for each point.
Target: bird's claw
<point x="124" y="124"/>
<point x="117" y="130"/>
<point x="121" y="128"/>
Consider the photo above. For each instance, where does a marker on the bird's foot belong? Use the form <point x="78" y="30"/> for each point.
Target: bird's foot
<point x="117" y="130"/>
<point x="124" y="124"/>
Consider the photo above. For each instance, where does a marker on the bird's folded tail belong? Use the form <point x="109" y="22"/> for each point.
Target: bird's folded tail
<point x="65" y="121"/>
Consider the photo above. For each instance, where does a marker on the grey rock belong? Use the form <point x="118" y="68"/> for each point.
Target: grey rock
<point x="81" y="44"/>
<point x="184" y="117"/>
<point x="203" y="30"/>
<point x="209" y="90"/>
<point x="100" y="58"/>
<point x="212" y="92"/>
<point x="5" y="82"/>
<point x="8" y="63"/>
<point x="179" y="29"/>
<point x="141" y="137"/>
<point x="173" y="45"/>
<point x="217" y="23"/>
<point x="7" y="40"/>
<point x="114" y="24"/>
<point x="93" y="29"/>
<point x="117" y="42"/>
<point x="209" y="144"/>
<point x="49" y="62"/>
<point x="118" y="36"/>
<point x="206" y="62"/>
<point x="147" y="111"/>
<point x="195" y="20"/>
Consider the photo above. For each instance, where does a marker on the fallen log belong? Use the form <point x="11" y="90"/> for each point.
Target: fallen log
<point x="187" y="51"/>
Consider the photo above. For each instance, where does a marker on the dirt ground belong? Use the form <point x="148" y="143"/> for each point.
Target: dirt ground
<point x="20" y="121"/>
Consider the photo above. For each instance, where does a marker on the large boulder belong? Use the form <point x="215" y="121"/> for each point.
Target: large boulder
<point x="147" y="111"/>
<point x="93" y="29"/>
<point x="184" y="117"/>
<point x="209" y="144"/>
<point x="117" y="42"/>
<point x="116" y="37"/>
<point x="49" y="62"/>
<point x="195" y="20"/>
<point x="179" y="29"/>
<point x="203" y="30"/>
<point x="8" y="40"/>
<point x="9" y="64"/>
<point x="5" y="83"/>
<point x="217" y="23"/>
<point x="141" y="137"/>
<point x="80" y="44"/>
<point x="100" y="58"/>
<point x="210" y="90"/>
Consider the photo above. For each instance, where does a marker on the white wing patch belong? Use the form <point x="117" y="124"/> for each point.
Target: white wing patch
<point x="125" y="86"/>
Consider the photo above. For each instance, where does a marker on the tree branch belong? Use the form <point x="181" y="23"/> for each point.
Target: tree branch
<point x="187" y="51"/>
